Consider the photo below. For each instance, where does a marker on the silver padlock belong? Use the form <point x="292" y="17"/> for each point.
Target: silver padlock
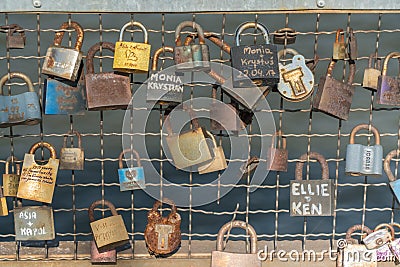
<point x="377" y="238"/>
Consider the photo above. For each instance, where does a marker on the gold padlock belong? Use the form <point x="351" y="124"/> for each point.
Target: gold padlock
<point x="38" y="181"/>
<point x="11" y="180"/>
<point x="131" y="56"/>
<point x="72" y="158"/>
<point x="219" y="161"/>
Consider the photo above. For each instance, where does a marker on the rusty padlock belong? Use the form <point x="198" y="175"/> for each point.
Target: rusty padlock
<point x="163" y="234"/>
<point x="353" y="47"/>
<point x="372" y="73"/>
<point x="285" y="36"/>
<point x="72" y="158"/>
<point x="339" y="46"/>
<point x="61" y="61"/>
<point x="3" y="204"/>
<point x="278" y="157"/>
<point x="388" y="86"/>
<point x="106" y="90"/>
<point x="37" y="181"/>
<point x="218" y="163"/>
<point x="11" y="180"/>
<point x="15" y="38"/>
<point x="220" y="258"/>
<point x="334" y="97"/>
<point x="108" y="233"/>
<point x="133" y="177"/>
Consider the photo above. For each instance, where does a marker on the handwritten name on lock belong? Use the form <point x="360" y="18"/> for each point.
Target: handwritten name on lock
<point x="106" y="230"/>
<point x="132" y="53"/>
<point x="166" y="82"/>
<point x="34" y="223"/>
<point x="253" y="60"/>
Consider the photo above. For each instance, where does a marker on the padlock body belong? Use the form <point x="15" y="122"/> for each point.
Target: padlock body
<point x="164" y="88"/>
<point x="15" y="41"/>
<point x="217" y="164"/>
<point x="227" y="259"/>
<point x="131" y="178"/>
<point x="34" y="223"/>
<point x="388" y="90"/>
<point x="384" y="253"/>
<point x="3" y="206"/>
<point x="277" y="159"/>
<point x="19" y="109"/>
<point x="131" y="57"/>
<point x="377" y="239"/>
<point x="364" y="160"/>
<point x="106" y="91"/>
<point x="72" y="158"/>
<point x="62" y="62"/>
<point x="339" y="51"/>
<point x="357" y="255"/>
<point x="334" y="97"/>
<point x="395" y="186"/>
<point x="96" y="257"/>
<point x="63" y="98"/>
<point x="255" y="62"/>
<point x="109" y="232"/>
<point x="10" y="184"/>
<point x="194" y="57"/>
<point x="370" y="79"/>
<point x="224" y="117"/>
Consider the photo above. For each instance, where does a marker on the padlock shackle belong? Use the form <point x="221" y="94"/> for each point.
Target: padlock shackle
<point x="192" y="24"/>
<point x="391" y="229"/>
<point x="395" y="224"/>
<point x="157" y="54"/>
<point x="386" y="164"/>
<point x="286" y="51"/>
<point x="248" y="25"/>
<point x="252" y="163"/>
<point x="12" y="159"/>
<point x="352" y="66"/>
<point x="194" y="121"/>
<point x="79" y="34"/>
<point x="217" y="77"/>
<point x="128" y="151"/>
<point x="279" y="134"/>
<point x="365" y="126"/>
<point x="20" y="75"/>
<point x="339" y="32"/>
<point x="237" y="224"/>
<point x="214" y="92"/>
<point x="313" y="155"/>
<point x="13" y="28"/>
<point x="213" y="38"/>
<point x="34" y="147"/>
<point x="386" y="62"/>
<point x="73" y="132"/>
<point x="98" y="203"/>
<point x="357" y="227"/>
<point x="167" y="201"/>
<point x="132" y="24"/>
<point x="377" y="61"/>
<point x="92" y="51"/>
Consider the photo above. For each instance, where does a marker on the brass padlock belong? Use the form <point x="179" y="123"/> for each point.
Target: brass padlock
<point x="132" y="56"/>
<point x="372" y="73"/>
<point x="15" y="38"/>
<point x="108" y="233"/>
<point x="3" y="204"/>
<point x="106" y="90"/>
<point x="334" y="97"/>
<point x="388" y="86"/>
<point x="37" y="181"/>
<point x="219" y="161"/>
<point x="163" y="234"/>
<point x="164" y="87"/>
<point x="61" y="61"/>
<point x="133" y="177"/>
<point x="277" y="159"/>
<point x="72" y="158"/>
<point x="285" y="36"/>
<point x="220" y="258"/>
<point x="339" y="46"/>
<point x="11" y="180"/>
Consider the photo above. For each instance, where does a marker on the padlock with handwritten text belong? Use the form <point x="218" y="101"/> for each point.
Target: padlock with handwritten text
<point x="312" y="197"/>
<point x="11" y="180"/>
<point x="163" y="234"/>
<point x="221" y="258"/>
<point x="105" y="90"/>
<point x="15" y="38"/>
<point x="339" y="46"/>
<point x="64" y="62"/>
<point x="296" y="81"/>
<point x="3" y="204"/>
<point x="334" y="97"/>
<point x="133" y="177"/>
<point x="164" y="87"/>
<point x="388" y="86"/>
<point x="110" y="232"/>
<point x="277" y="159"/>
<point x="393" y="182"/>
<point x="132" y="56"/>
<point x="372" y="73"/>
<point x="37" y="181"/>
<point x="218" y="163"/>
<point x="364" y="160"/>
<point x="21" y="108"/>
<point x="72" y="158"/>
<point x="258" y="63"/>
<point x="391" y="250"/>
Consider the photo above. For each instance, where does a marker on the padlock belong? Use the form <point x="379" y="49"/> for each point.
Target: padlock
<point x="193" y="57"/>
<point x="164" y="87"/>
<point x="33" y="223"/>
<point x="133" y="177"/>
<point x="285" y="36"/>
<point x="364" y="160"/>
<point x="277" y="159"/>
<point x="372" y="73"/>
<point x="19" y="109"/>
<point x="220" y="258"/>
<point x="106" y="90"/>
<point x="3" y="204"/>
<point x="354" y="254"/>
<point x="37" y="181"/>
<point x="258" y="63"/>
<point x="334" y="97"/>
<point x="297" y="80"/>
<point x="339" y="46"/>
<point x="388" y="86"/>
<point x="391" y="250"/>
<point x="132" y="57"/>
<point x="104" y="257"/>
<point x="163" y="234"/>
<point x="312" y="197"/>
<point x="11" y="180"/>
<point x="15" y="38"/>
<point x="72" y="158"/>
<point x="108" y="233"/>
<point x="218" y="163"/>
<point x="353" y="48"/>
<point x="394" y="183"/>
<point x="64" y="62"/>
<point x="378" y="238"/>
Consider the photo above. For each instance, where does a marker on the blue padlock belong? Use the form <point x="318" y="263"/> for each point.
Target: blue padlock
<point x="131" y="178"/>
<point x="394" y="183"/>
<point x="364" y="160"/>
<point x="19" y="109"/>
